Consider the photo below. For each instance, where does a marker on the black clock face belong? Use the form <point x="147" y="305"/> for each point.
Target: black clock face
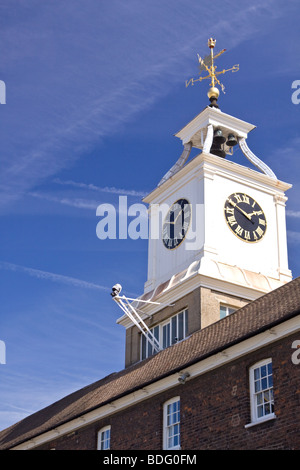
<point x="245" y="217"/>
<point x="176" y="224"/>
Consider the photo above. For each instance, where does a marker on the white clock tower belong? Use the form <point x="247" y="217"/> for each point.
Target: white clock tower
<point x="236" y="234"/>
<point x="217" y="228"/>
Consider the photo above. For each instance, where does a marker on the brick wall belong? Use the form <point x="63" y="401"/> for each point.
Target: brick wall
<point x="215" y="408"/>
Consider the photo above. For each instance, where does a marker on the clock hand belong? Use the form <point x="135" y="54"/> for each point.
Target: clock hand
<point x="241" y="210"/>
<point x="178" y="216"/>
<point x="254" y="213"/>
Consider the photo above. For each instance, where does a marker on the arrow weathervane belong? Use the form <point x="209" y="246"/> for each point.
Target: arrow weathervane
<point x="208" y="64"/>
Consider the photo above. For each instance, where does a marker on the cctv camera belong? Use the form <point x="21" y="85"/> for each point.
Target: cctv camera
<point x="116" y="290"/>
<point x="182" y="378"/>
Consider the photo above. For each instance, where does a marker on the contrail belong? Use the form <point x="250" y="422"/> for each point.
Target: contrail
<point x="105" y="189"/>
<point x="52" y="276"/>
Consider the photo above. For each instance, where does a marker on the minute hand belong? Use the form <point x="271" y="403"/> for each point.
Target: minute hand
<point x="234" y="204"/>
<point x="178" y="216"/>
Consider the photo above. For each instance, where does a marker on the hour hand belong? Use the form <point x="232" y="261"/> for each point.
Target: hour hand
<point x="234" y="204"/>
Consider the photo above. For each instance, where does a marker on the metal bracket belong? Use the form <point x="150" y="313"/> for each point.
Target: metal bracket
<point x="179" y="164"/>
<point x="132" y="314"/>
<point x="254" y="159"/>
<point x="209" y="139"/>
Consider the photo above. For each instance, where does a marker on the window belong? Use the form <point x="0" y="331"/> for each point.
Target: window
<point x="172" y="424"/>
<point x="225" y="311"/>
<point x="167" y="333"/>
<point x="261" y="390"/>
<point x="104" y="439"/>
<point x="147" y="349"/>
<point x="175" y="329"/>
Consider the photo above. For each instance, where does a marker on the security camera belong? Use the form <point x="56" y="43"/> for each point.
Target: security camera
<point x="182" y="378"/>
<point x="116" y="290"/>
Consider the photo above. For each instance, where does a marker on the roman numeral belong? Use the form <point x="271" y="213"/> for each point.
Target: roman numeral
<point x="259" y="232"/>
<point x="238" y="198"/>
<point x="247" y="235"/>
<point x="246" y="199"/>
<point x="231" y="220"/>
<point x="229" y="210"/>
<point x="239" y="230"/>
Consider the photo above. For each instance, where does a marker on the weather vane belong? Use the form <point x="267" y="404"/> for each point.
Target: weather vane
<point x="208" y="64"/>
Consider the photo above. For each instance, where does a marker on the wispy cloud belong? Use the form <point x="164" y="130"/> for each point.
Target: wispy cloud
<point x="293" y="237"/>
<point x="120" y="72"/>
<point x="291" y="213"/>
<point x="39" y="274"/>
<point x="72" y="202"/>
<point x="105" y="189"/>
<point x="60" y="279"/>
<point x="87" y="204"/>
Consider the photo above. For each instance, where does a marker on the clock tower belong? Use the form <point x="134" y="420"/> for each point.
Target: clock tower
<point x="217" y="237"/>
<point x="224" y="219"/>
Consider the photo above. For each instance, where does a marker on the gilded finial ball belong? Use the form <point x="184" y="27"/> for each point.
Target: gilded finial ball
<point x="213" y="92"/>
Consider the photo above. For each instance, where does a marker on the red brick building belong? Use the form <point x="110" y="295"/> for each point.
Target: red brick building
<point x="218" y="406"/>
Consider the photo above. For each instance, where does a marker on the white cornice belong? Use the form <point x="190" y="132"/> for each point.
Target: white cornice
<point x="205" y="162"/>
<point x="211" y="274"/>
<point x="217" y="360"/>
<point x="216" y="118"/>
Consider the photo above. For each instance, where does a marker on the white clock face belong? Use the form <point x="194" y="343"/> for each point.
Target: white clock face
<point x="176" y="224"/>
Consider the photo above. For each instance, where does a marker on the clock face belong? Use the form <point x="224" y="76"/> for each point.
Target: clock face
<point x="176" y="224"/>
<point x="245" y="217"/>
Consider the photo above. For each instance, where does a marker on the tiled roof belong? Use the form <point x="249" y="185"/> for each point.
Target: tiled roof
<point x="267" y="311"/>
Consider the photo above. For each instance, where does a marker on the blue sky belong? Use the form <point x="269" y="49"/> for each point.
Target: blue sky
<point x="95" y="92"/>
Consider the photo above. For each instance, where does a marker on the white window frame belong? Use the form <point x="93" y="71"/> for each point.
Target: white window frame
<point x="228" y="310"/>
<point x="258" y="394"/>
<point x="169" y="428"/>
<point x="147" y="345"/>
<point x="161" y="327"/>
<point x="103" y="439"/>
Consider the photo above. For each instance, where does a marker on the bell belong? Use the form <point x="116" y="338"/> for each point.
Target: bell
<point x="218" y="137"/>
<point x="217" y="150"/>
<point x="231" y="140"/>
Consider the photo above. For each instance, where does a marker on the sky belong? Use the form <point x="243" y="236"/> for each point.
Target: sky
<point x="94" y="93"/>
